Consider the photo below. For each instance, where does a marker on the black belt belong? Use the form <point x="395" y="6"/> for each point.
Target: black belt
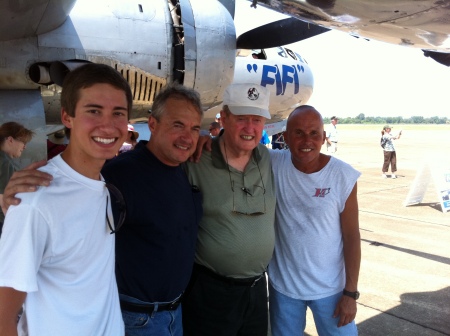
<point x="149" y="308"/>
<point x="251" y="282"/>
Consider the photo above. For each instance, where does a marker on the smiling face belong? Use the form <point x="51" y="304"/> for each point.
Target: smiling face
<point x="175" y="135"/>
<point x="242" y="132"/>
<point x="98" y="128"/>
<point x="305" y="137"/>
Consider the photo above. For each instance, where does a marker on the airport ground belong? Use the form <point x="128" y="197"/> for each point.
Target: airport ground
<point x="405" y="268"/>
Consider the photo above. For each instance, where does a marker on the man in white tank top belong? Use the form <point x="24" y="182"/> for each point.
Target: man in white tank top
<point x="317" y="242"/>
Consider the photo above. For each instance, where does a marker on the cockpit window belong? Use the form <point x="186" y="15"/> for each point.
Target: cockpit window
<point x="291" y="53"/>
<point x="300" y="58"/>
<point x="259" y="54"/>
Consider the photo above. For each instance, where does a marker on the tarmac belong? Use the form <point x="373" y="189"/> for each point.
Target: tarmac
<point x="405" y="268"/>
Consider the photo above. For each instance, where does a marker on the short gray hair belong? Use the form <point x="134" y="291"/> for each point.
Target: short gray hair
<point x="175" y="91"/>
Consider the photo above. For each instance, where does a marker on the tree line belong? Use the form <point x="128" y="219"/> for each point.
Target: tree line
<point x="362" y="119"/>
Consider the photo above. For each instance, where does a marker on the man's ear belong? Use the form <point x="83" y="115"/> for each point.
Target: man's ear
<point x="152" y="123"/>
<point x="285" y="137"/>
<point x="66" y="119"/>
<point x="324" y="137"/>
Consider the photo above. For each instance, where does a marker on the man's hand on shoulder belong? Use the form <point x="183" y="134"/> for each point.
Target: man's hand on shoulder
<point x="204" y="142"/>
<point x="25" y="180"/>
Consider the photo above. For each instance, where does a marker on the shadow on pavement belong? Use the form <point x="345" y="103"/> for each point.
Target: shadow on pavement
<point x="423" y="313"/>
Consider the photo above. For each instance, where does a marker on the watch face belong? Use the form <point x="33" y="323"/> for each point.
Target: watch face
<point x="354" y="295"/>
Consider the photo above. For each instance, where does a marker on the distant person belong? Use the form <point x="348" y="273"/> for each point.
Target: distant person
<point x="214" y="129"/>
<point x="278" y="139"/>
<point x="218" y="119"/>
<point x="390" y="156"/>
<point x="56" y="143"/>
<point x="331" y="136"/>
<point x="131" y="140"/>
<point x="13" y="140"/>
<point x="317" y="241"/>
<point x="57" y="250"/>
<point x="264" y="138"/>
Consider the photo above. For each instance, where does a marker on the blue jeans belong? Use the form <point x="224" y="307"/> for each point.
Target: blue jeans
<point x="288" y="315"/>
<point x="159" y="323"/>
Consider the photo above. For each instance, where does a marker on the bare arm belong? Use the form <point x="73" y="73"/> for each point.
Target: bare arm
<point x="346" y="308"/>
<point x="26" y="180"/>
<point x="11" y="301"/>
<point x="398" y="135"/>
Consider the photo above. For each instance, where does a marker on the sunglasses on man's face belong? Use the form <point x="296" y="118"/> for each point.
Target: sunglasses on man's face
<point x="119" y="205"/>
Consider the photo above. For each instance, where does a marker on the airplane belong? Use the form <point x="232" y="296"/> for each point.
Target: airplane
<point x="151" y="42"/>
<point x="283" y="71"/>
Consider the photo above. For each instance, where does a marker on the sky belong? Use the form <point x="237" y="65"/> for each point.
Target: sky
<point x="353" y="76"/>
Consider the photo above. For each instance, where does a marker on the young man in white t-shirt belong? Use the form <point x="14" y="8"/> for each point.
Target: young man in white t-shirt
<point x="57" y="252"/>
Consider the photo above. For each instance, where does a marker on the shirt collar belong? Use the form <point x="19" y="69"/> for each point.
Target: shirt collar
<point x="218" y="160"/>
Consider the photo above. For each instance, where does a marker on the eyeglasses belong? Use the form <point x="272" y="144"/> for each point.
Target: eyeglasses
<point x="120" y="206"/>
<point x="250" y="193"/>
<point x="254" y="193"/>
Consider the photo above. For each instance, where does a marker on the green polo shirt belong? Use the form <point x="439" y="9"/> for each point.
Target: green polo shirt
<point x="236" y="234"/>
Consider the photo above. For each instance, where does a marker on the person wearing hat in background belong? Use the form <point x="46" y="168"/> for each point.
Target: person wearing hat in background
<point x="131" y="140"/>
<point x="217" y="119"/>
<point x="331" y="136"/>
<point x="278" y="139"/>
<point x="390" y="156"/>
<point x="227" y="294"/>
<point x="56" y="143"/>
<point x="214" y="129"/>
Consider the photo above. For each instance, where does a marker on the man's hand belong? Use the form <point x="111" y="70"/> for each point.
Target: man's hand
<point x="204" y="142"/>
<point x="346" y="310"/>
<point x="26" y="180"/>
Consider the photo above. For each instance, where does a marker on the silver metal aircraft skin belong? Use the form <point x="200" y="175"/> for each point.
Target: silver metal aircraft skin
<point x="423" y="24"/>
<point x="151" y="42"/>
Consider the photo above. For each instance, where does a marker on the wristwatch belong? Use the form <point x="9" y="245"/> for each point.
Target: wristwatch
<point x="354" y="295"/>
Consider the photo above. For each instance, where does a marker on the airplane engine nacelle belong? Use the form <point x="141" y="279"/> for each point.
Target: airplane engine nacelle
<point x="209" y="48"/>
<point x="52" y="73"/>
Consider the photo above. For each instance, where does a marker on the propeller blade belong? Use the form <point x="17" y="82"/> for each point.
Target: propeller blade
<point x="230" y="5"/>
<point x="278" y="33"/>
<point x="443" y="58"/>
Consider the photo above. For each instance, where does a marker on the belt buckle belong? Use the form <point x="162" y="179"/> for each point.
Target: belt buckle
<point x="256" y="280"/>
<point x="174" y="305"/>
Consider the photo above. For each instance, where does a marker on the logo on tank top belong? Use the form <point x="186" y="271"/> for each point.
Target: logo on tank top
<point x="321" y="192"/>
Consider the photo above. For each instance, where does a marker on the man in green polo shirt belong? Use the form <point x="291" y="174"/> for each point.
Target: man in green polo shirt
<point x="227" y="294"/>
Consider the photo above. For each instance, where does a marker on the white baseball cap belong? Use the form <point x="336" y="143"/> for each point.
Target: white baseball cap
<point x="247" y="99"/>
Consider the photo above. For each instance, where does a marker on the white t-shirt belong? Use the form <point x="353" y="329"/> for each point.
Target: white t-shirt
<point x="57" y="247"/>
<point x="332" y="133"/>
<point x="308" y="261"/>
